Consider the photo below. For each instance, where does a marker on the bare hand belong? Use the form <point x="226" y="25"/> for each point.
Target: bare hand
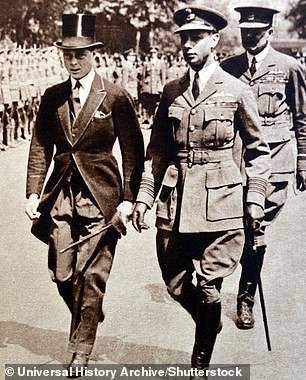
<point x="32" y="206"/>
<point x="138" y="217"/>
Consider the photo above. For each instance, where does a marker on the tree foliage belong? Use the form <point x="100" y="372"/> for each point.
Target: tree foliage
<point x="121" y="24"/>
<point x="297" y="15"/>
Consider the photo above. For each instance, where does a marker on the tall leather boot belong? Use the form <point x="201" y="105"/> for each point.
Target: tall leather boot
<point x="247" y="287"/>
<point x="207" y="328"/>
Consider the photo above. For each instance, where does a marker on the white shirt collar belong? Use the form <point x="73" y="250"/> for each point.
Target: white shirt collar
<point x="85" y="81"/>
<point x="204" y="74"/>
<point x="260" y="56"/>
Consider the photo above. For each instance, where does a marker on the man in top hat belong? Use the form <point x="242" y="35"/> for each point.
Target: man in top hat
<point x="278" y="83"/>
<point x="190" y="164"/>
<point x="80" y="119"/>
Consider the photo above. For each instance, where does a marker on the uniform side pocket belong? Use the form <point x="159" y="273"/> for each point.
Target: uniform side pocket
<point x="224" y="193"/>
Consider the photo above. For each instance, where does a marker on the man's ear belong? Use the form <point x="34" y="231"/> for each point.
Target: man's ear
<point x="215" y="39"/>
<point x="270" y="34"/>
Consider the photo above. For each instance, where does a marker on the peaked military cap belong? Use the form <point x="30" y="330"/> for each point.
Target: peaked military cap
<point x="130" y="51"/>
<point x="78" y="32"/>
<point x="197" y="17"/>
<point x="255" y="17"/>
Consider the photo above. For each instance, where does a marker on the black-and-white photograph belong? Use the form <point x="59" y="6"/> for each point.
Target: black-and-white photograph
<point x="152" y="197"/>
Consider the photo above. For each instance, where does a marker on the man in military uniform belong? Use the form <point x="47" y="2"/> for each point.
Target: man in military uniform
<point x="130" y="73"/>
<point x="278" y="83"/>
<point x="80" y="119"/>
<point x="153" y="78"/>
<point x="190" y="161"/>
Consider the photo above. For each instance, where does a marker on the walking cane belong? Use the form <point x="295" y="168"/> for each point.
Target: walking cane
<point x="260" y="290"/>
<point x="115" y="222"/>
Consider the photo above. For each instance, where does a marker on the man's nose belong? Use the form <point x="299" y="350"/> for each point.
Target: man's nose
<point x="74" y="60"/>
<point x="188" y="43"/>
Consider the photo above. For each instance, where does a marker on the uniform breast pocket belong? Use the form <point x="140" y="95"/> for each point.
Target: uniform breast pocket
<point x="271" y="95"/>
<point x="224" y="193"/>
<point x="218" y="126"/>
<point x="176" y="112"/>
<point x="167" y="201"/>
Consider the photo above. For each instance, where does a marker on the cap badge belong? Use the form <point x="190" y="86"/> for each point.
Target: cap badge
<point x="190" y="16"/>
<point x="251" y="17"/>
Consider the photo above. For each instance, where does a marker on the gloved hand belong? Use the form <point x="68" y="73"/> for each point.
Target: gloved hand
<point x="32" y="206"/>
<point x="254" y="215"/>
<point x="122" y="216"/>
<point x="138" y="217"/>
<point x="125" y="210"/>
<point x="301" y="180"/>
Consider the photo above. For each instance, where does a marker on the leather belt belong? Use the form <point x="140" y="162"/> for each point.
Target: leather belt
<point x="203" y="156"/>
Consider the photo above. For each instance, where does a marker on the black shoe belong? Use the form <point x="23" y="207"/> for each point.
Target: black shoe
<point x="245" y="318"/>
<point x="77" y="365"/>
<point x="199" y="363"/>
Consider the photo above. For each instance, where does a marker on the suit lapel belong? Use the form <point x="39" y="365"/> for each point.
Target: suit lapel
<point x="64" y="112"/>
<point x="186" y="89"/>
<point x="95" y="97"/>
<point x="266" y="66"/>
<point x="211" y="86"/>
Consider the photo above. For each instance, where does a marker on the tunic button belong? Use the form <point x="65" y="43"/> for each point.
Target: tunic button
<point x="193" y="112"/>
<point x="191" y="128"/>
<point x="252" y="83"/>
<point x="191" y="144"/>
<point x="73" y="134"/>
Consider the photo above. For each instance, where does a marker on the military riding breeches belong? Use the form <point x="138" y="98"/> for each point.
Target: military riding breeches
<point x="211" y="256"/>
<point x="82" y="271"/>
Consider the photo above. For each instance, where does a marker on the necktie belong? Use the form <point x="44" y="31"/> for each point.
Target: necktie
<point x="253" y="66"/>
<point x="196" y="85"/>
<point x="76" y="98"/>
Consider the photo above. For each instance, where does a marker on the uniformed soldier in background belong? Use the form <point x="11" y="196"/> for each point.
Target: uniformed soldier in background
<point x="130" y="73"/>
<point x="278" y="83"/>
<point x="24" y="76"/>
<point x="153" y="79"/>
<point x="190" y="161"/>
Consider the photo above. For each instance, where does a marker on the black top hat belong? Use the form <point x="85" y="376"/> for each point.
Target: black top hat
<point x="255" y="17"/>
<point x="78" y="32"/>
<point x="197" y="17"/>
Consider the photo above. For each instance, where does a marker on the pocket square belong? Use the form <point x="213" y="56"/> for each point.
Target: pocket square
<point x="101" y="115"/>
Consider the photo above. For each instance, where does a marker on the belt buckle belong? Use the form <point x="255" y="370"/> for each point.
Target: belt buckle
<point x="190" y="158"/>
<point x="193" y="157"/>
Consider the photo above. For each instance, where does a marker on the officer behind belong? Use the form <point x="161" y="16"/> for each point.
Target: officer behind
<point x="80" y="119"/>
<point x="190" y="161"/>
<point x="278" y="83"/>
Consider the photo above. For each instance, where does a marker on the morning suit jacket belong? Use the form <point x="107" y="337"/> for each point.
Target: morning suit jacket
<point x="190" y="155"/>
<point x="85" y="144"/>
<point x="280" y="90"/>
